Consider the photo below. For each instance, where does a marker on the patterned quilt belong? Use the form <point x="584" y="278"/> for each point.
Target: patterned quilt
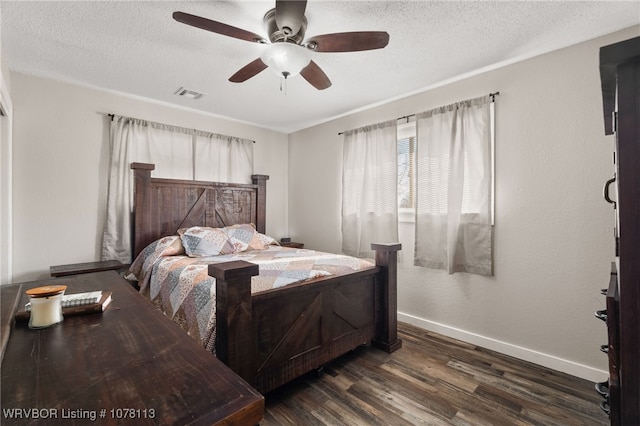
<point x="181" y="287"/>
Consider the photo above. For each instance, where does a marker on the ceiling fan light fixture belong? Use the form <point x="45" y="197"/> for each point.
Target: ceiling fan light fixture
<point x="286" y="59"/>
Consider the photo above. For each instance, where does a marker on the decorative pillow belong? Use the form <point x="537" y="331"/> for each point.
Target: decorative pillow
<point x="200" y="241"/>
<point x="267" y="240"/>
<point x="244" y="237"/>
<point x="166" y="246"/>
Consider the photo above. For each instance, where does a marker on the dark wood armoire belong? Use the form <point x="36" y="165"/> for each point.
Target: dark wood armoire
<point x="620" y="78"/>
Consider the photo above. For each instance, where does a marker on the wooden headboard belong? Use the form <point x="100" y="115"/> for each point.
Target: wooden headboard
<point x="162" y="206"/>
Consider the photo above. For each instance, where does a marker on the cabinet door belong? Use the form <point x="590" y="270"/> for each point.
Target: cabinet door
<point x="620" y="78"/>
<point x="628" y="174"/>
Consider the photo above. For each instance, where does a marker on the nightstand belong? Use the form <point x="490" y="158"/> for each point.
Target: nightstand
<point x="85" y="268"/>
<point x="292" y="244"/>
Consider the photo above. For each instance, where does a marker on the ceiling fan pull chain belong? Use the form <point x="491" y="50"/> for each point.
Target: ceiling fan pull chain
<point x="284" y="75"/>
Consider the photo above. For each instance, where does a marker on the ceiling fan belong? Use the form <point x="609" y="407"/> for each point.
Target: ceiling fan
<point x="287" y="53"/>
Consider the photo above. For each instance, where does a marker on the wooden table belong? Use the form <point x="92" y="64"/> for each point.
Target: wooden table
<point x="128" y="365"/>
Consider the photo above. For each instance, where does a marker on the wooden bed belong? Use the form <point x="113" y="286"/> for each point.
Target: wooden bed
<point x="271" y="337"/>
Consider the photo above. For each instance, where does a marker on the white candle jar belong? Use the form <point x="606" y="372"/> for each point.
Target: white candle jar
<point x="46" y="305"/>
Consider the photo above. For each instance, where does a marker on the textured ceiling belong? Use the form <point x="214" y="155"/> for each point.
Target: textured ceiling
<point x="137" y="48"/>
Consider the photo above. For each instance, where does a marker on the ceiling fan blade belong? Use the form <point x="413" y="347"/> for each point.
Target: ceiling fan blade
<point x="248" y="71"/>
<point x="349" y="42"/>
<point x="289" y="14"/>
<point x="217" y="27"/>
<point x="315" y="76"/>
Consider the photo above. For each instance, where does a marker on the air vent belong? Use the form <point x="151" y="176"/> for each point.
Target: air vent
<point x="191" y="94"/>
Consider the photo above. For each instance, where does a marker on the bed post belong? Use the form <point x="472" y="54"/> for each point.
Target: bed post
<point x="386" y="334"/>
<point x="142" y="209"/>
<point x="261" y="210"/>
<point x="235" y="341"/>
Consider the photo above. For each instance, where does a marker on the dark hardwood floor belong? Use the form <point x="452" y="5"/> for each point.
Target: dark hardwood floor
<point x="434" y="380"/>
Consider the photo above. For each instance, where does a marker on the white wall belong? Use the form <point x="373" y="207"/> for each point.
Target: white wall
<point x="5" y="170"/>
<point x="60" y="168"/>
<point x="6" y="147"/>
<point x="553" y="233"/>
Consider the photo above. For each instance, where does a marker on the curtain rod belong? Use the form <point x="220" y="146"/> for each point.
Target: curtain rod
<point x="171" y="125"/>
<point x="407" y="117"/>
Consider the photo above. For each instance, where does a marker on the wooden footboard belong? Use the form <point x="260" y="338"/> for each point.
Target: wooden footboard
<point x="272" y="337"/>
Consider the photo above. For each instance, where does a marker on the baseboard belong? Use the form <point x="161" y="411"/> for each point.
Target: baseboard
<point x="545" y="360"/>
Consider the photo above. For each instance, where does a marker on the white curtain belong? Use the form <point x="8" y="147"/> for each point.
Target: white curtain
<point x="178" y="153"/>
<point x="453" y="173"/>
<point x="116" y="239"/>
<point x="222" y="158"/>
<point x="169" y="148"/>
<point x="369" y="188"/>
